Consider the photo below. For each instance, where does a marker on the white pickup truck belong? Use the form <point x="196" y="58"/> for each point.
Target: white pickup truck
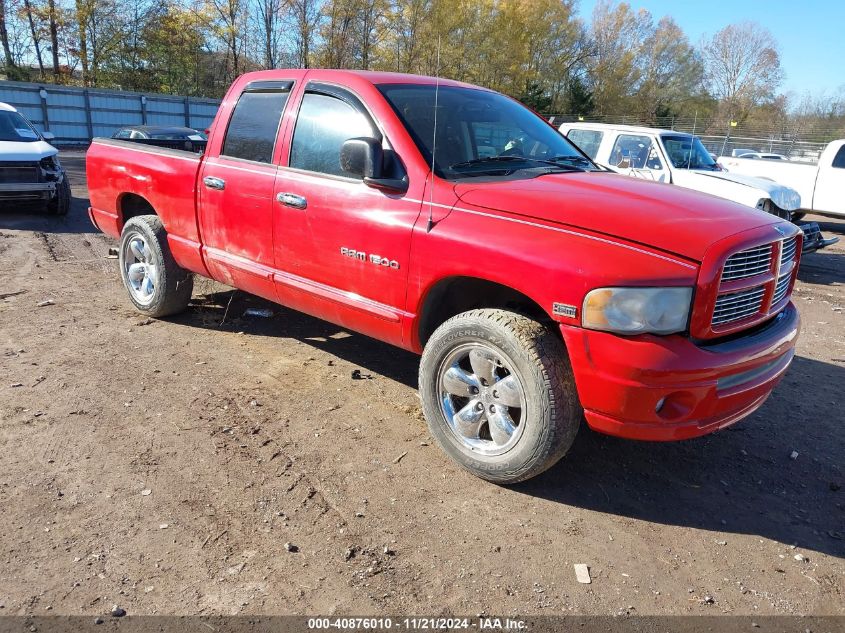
<point x="821" y="186"/>
<point x="681" y="159"/>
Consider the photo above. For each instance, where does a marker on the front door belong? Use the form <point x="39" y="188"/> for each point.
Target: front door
<point x="342" y="248"/>
<point x="639" y="156"/>
<point x="829" y="196"/>
<point x="236" y="191"/>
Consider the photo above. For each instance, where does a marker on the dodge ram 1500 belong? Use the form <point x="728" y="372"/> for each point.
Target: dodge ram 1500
<point x="450" y="220"/>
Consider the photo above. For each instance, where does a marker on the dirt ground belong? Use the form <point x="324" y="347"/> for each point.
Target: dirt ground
<point x="164" y="466"/>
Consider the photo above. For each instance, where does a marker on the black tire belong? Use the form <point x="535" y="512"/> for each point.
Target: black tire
<point x="552" y="413"/>
<point x="797" y="216"/>
<point x="60" y="204"/>
<point x="172" y="284"/>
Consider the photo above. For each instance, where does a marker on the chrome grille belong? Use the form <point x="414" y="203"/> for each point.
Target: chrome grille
<point x="748" y="263"/>
<point x="787" y="253"/>
<point x="13" y="172"/>
<point x="781" y="288"/>
<point x="738" y="305"/>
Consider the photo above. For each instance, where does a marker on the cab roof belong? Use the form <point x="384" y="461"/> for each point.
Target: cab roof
<point x="370" y="76"/>
<point x="637" y="129"/>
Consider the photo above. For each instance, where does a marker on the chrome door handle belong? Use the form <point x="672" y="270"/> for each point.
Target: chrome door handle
<point x="292" y="200"/>
<point x="214" y="183"/>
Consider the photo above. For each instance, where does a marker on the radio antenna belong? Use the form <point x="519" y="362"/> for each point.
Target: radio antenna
<point x="692" y="141"/>
<point x="430" y="224"/>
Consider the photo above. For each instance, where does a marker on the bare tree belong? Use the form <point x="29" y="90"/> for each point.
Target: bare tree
<point x="617" y="34"/>
<point x="742" y="66"/>
<point x="54" y="35"/>
<point x="270" y="19"/>
<point x="4" y="36"/>
<point x="231" y="14"/>
<point x="36" y="37"/>
<point x="336" y="34"/>
<point x="305" y="16"/>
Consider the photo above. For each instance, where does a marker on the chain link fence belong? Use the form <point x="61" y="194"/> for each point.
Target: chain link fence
<point x="797" y="140"/>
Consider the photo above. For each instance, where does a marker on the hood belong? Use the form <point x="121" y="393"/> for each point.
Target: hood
<point x="662" y="216"/>
<point x="17" y="150"/>
<point x="746" y="190"/>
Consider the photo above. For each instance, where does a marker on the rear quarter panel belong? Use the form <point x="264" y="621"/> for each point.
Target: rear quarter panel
<point x="165" y="178"/>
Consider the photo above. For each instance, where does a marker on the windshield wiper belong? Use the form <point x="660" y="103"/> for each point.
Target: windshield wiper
<point x="509" y="159"/>
<point x="571" y="159"/>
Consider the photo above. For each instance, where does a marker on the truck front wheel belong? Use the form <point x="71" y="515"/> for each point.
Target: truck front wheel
<point x="60" y="204"/>
<point x="157" y="285"/>
<point x="498" y="394"/>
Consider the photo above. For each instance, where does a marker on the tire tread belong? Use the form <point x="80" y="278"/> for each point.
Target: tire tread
<point x="550" y="363"/>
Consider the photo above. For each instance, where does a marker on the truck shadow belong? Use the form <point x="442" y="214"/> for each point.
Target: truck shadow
<point x="741" y="480"/>
<point x="208" y="311"/>
<point x="824" y="268"/>
<point x="827" y="266"/>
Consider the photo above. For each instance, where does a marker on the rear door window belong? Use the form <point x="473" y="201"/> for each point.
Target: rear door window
<point x="588" y="140"/>
<point x="254" y="125"/>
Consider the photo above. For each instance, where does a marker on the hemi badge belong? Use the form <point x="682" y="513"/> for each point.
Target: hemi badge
<point x="563" y="309"/>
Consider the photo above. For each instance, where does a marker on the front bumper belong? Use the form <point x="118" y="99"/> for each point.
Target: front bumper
<point x="813" y="238"/>
<point x="670" y="388"/>
<point x="27" y="190"/>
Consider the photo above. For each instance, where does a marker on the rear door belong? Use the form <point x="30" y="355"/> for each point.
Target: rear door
<point x="236" y="191"/>
<point x="342" y="247"/>
<point x="829" y="195"/>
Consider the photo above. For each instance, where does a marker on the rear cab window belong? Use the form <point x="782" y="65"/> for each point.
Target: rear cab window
<point x="254" y="125"/>
<point x="588" y="140"/>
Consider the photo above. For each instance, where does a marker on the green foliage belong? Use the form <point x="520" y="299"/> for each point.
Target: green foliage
<point x="579" y="98"/>
<point x="535" y="97"/>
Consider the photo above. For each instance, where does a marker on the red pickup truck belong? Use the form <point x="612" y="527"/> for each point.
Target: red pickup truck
<point x="450" y="220"/>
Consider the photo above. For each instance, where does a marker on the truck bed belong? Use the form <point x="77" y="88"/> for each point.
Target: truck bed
<point x="131" y="176"/>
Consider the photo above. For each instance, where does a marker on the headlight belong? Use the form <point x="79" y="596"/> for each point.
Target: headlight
<point x="637" y="310"/>
<point x="51" y="163"/>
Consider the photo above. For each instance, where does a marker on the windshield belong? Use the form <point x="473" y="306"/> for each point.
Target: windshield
<point x="13" y="127"/>
<point x="687" y="152"/>
<point x="481" y="133"/>
<point x="178" y="136"/>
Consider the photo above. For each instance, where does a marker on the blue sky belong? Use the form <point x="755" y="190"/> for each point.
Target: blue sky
<point x="811" y="33"/>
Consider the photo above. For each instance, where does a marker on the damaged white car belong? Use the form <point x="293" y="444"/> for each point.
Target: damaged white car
<point x="30" y="171"/>
<point x="681" y="159"/>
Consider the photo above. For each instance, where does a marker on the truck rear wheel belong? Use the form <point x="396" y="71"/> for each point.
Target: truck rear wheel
<point x="499" y="395"/>
<point x="156" y="284"/>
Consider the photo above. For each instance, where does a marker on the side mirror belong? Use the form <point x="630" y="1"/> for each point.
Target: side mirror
<point x="48" y="136"/>
<point x="364" y="158"/>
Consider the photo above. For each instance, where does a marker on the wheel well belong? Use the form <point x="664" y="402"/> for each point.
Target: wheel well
<point x="131" y="205"/>
<point x="460" y="294"/>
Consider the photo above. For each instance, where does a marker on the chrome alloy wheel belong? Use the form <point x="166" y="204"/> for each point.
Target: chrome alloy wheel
<point x="482" y="398"/>
<point x="140" y="268"/>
